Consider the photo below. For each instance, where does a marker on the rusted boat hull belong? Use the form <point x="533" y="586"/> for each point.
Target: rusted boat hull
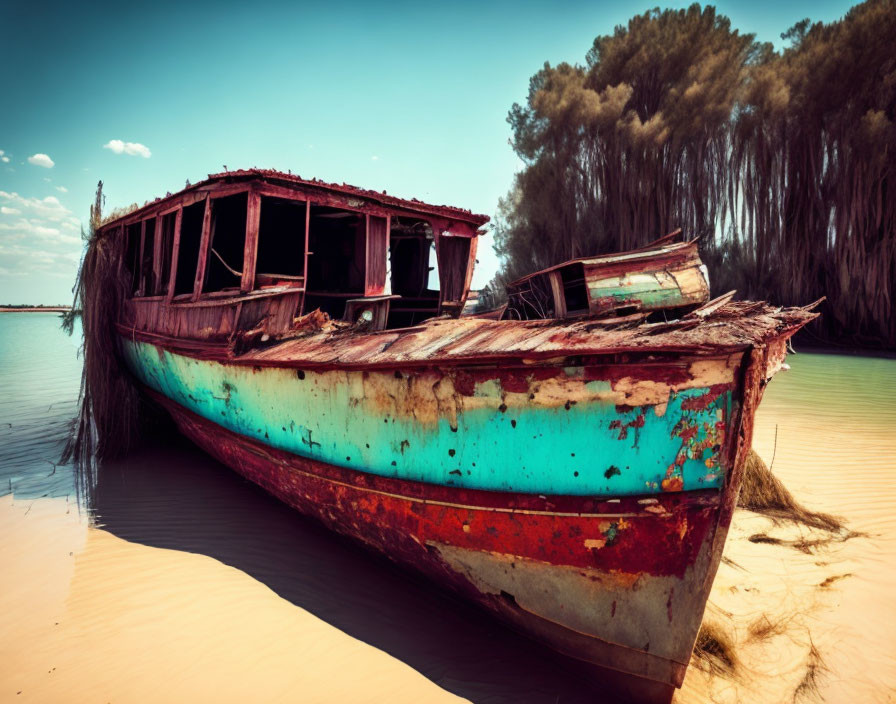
<point x="560" y="569"/>
<point x="607" y="561"/>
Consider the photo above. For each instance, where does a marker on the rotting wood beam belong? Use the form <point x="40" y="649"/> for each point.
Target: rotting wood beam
<point x="250" y="254"/>
<point x="232" y="189"/>
<point x="139" y="262"/>
<point x="387" y="285"/>
<point x="376" y="247"/>
<point x="175" y="253"/>
<point x="367" y="254"/>
<point x="156" y="255"/>
<point x="301" y="310"/>
<point x="471" y="265"/>
<point x="556" y="280"/>
<point x="204" y="245"/>
<point x="328" y="199"/>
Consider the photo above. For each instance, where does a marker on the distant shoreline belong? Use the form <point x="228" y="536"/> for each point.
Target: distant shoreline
<point x="35" y="309"/>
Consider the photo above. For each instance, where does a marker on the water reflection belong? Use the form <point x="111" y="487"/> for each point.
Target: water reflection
<point x="175" y="497"/>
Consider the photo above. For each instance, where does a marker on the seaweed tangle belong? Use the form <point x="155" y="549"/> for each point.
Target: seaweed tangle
<point x="815" y="668"/>
<point x="714" y="651"/>
<point x="762" y="492"/>
<point x="108" y="402"/>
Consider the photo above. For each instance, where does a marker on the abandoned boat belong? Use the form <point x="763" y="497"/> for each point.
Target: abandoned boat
<point x="574" y="476"/>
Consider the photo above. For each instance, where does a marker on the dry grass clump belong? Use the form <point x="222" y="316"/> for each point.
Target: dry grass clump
<point x="765" y="538"/>
<point x="714" y="651"/>
<point x="762" y="492"/>
<point x="764" y="628"/>
<point x="834" y="578"/>
<point x="808" y="686"/>
<point x="731" y="563"/>
<point x="119" y="213"/>
<point x="804" y="544"/>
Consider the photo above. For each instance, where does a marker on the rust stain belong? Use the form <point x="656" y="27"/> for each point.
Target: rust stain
<point x="673" y="483"/>
<point x="637" y="422"/>
<point x="700" y="403"/>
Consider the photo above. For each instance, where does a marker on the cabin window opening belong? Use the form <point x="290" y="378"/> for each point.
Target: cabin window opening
<point x="280" y="255"/>
<point x="132" y="232"/>
<point x="336" y="258"/>
<point x="411" y="258"/>
<point x="575" y="292"/>
<point x="434" y="284"/>
<point x="166" y="245"/>
<point x="227" y="243"/>
<point x="188" y="249"/>
<point x="147" y="270"/>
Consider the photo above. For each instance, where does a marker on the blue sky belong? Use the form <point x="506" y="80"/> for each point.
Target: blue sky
<point x="410" y="98"/>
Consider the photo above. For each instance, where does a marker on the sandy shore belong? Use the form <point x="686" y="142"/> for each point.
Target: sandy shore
<point x="36" y="309"/>
<point x="807" y="615"/>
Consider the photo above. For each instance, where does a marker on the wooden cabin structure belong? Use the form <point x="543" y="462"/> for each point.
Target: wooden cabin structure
<point x="254" y="250"/>
<point x="667" y="274"/>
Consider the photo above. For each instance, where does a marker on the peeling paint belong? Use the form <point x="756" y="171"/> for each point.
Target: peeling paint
<point x="418" y="427"/>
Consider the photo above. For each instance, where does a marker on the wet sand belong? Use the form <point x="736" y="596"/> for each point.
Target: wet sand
<point x="189" y="584"/>
<point x="99" y="618"/>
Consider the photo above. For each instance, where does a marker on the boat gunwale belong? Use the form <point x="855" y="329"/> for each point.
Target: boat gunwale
<point x="267" y="356"/>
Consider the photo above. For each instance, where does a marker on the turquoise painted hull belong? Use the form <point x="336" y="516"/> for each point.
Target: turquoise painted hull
<point x="567" y="435"/>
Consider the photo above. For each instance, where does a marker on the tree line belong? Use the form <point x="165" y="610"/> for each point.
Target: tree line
<point x="783" y="163"/>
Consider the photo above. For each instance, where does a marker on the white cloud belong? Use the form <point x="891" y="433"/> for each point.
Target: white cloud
<point x="43" y="218"/>
<point x="41" y="160"/>
<point x="3" y="157"/>
<point x="38" y="237"/>
<point x="30" y="227"/>
<point x="62" y="189"/>
<point x="130" y="148"/>
<point x="49" y="208"/>
<point x="374" y="158"/>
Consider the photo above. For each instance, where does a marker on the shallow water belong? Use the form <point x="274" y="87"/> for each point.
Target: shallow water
<point x="189" y="583"/>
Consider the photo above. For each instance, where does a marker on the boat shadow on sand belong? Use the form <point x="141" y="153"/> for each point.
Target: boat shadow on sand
<point x="175" y="497"/>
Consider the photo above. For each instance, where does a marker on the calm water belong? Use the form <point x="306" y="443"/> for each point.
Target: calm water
<point x="188" y="583"/>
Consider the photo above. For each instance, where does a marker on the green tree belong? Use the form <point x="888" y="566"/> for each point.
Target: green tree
<point x="782" y="163"/>
<point x="813" y="167"/>
<point x="629" y="146"/>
